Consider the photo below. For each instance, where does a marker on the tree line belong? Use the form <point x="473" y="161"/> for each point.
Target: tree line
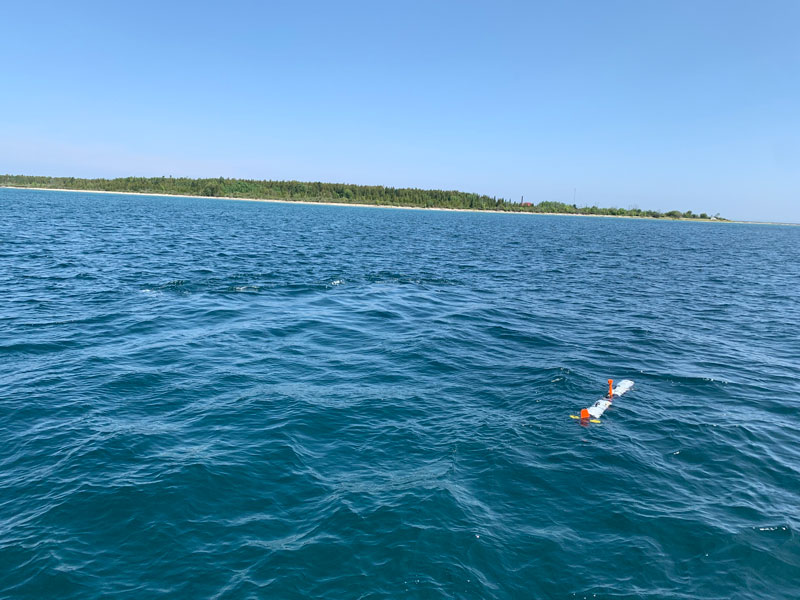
<point x="327" y="192"/>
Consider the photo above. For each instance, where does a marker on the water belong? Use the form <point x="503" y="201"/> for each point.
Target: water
<point x="214" y="399"/>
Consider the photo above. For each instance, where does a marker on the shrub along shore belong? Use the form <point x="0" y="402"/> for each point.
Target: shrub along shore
<point x="337" y="193"/>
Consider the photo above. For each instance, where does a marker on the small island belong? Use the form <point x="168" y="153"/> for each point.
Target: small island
<point x="334" y="193"/>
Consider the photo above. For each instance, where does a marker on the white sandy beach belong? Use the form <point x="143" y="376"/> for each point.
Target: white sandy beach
<point x="471" y="210"/>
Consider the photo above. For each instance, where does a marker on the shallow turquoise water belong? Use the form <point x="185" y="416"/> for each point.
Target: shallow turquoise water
<point x="215" y="399"/>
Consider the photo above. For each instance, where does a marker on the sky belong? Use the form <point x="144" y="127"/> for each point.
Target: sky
<point x="687" y="105"/>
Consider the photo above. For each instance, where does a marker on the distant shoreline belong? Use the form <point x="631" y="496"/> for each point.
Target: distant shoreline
<point x="432" y="208"/>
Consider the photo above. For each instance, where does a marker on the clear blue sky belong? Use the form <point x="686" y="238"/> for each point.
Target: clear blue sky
<point x="657" y="104"/>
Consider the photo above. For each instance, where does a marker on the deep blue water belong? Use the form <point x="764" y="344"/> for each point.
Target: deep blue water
<point x="215" y="399"/>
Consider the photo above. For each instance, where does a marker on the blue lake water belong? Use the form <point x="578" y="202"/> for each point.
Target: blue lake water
<point x="216" y="399"/>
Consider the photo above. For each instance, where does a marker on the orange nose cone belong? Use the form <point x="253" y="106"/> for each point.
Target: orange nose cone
<point x="584" y="413"/>
<point x="610" y="388"/>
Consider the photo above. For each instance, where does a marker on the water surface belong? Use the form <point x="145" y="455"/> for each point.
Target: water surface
<point x="218" y="399"/>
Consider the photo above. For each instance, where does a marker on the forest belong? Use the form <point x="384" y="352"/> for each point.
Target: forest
<point x="328" y="192"/>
